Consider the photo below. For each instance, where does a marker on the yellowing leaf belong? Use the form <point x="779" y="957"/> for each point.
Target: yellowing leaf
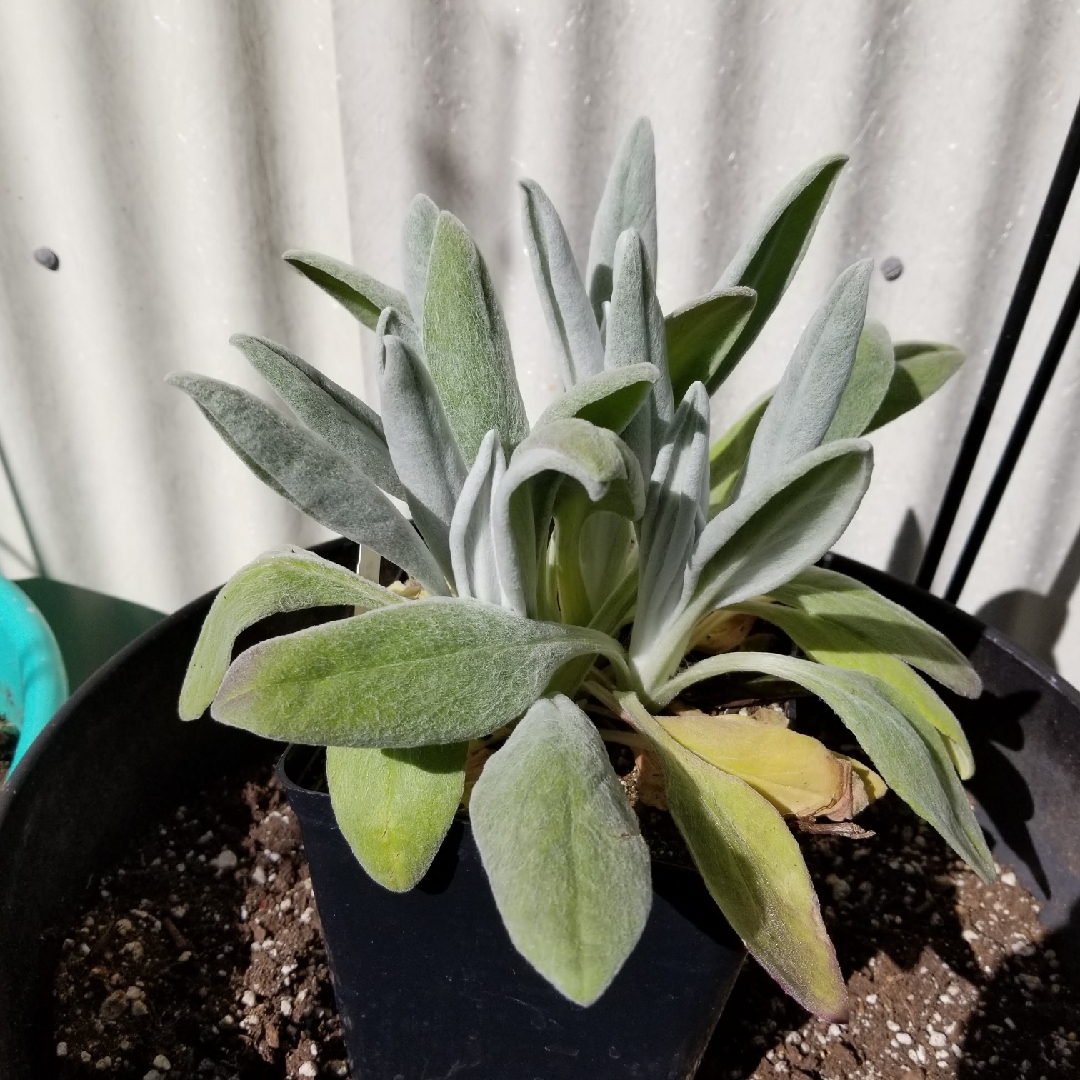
<point x="721" y="631"/>
<point x="796" y="773"/>
<point x="836" y="645"/>
<point x="753" y="868"/>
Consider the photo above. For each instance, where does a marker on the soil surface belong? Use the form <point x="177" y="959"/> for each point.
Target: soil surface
<point x="201" y="957"/>
<point x="202" y="954"/>
<point x="948" y="977"/>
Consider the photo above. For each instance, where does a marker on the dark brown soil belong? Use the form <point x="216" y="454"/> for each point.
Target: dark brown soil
<point x="8" y="735"/>
<point x="218" y="969"/>
<point x="202" y="955"/>
<point x="948" y="977"/>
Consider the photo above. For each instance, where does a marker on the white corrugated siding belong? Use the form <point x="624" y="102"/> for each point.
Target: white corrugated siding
<point x="169" y="150"/>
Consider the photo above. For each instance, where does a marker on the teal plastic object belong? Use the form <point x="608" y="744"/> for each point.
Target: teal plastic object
<point x="33" y="680"/>
<point x="89" y="627"/>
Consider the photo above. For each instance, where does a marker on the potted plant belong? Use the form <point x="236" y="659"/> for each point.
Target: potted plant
<point x="567" y="587"/>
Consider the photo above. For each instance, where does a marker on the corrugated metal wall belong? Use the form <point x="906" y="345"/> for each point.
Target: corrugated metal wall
<point x="169" y="150"/>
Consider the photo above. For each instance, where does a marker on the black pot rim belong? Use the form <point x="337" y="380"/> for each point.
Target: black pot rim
<point x="39" y="747"/>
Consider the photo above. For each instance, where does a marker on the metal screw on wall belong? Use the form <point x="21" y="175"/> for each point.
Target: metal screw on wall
<point x="48" y="258"/>
<point x="891" y="268"/>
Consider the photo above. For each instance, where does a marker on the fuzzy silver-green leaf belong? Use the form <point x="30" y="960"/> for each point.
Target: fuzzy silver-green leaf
<point x="343" y="420"/>
<point x="922" y="368"/>
<point x="312" y="474"/>
<point x="363" y="296"/>
<point x="609" y="400"/>
<point x="569" y="315"/>
<point x="429" y="671"/>
<point x="701" y="336"/>
<point x="466" y="344"/>
<point x="422" y="446"/>
<point x="805" y="402"/>
<point x="727" y="455"/>
<point x="869" y="383"/>
<point x="753" y="868"/>
<point x="628" y="202"/>
<point x="394" y="807"/>
<point x="285" y="579"/>
<point x="562" y="850"/>
<point x="417" y="236"/>
<point x="767" y="261"/>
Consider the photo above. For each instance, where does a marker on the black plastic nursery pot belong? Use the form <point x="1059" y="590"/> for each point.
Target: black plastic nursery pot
<point x="428" y="983"/>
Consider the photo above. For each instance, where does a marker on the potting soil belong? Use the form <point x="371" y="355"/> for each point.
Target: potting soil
<point x="948" y="977"/>
<point x="201" y="957"/>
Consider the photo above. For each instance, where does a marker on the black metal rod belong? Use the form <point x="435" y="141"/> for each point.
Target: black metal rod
<point x="1059" y="339"/>
<point x="1057" y="198"/>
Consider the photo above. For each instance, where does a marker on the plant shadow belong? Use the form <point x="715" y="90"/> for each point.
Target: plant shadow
<point x="1034" y="620"/>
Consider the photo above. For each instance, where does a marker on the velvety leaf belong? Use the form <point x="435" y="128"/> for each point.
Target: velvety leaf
<point x="581" y="555"/>
<point x="796" y="773"/>
<point x="417" y="237"/>
<point x="393" y="324"/>
<point x="562" y="850"/>
<point x="595" y="457"/>
<point x="395" y="807"/>
<point x="883" y="625"/>
<point x="869" y="382"/>
<point x="566" y="305"/>
<point x="767" y="262"/>
<point x="607" y="552"/>
<point x="635" y="335"/>
<point x="312" y="475"/>
<point x="423" y="447"/>
<point x="361" y="295"/>
<point x="608" y="400"/>
<point x="805" y="402"/>
<point x="762" y="540"/>
<point x="922" y="368"/>
<point x="909" y="753"/>
<point x="466" y="344"/>
<point x="836" y="645"/>
<point x="728" y="455"/>
<point x="701" y="335"/>
<point x="753" y="868"/>
<point x="344" y="421"/>
<point x="674" y="515"/>
<point x="285" y="579"/>
<point x="628" y="202"/>
<point x="426" y="672"/>
<point x="472" y="546"/>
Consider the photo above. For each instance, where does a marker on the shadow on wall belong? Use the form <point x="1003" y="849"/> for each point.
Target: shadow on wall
<point x="907" y="550"/>
<point x="472" y="185"/>
<point x="1033" y="620"/>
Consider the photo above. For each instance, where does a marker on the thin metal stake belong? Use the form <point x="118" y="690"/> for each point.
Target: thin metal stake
<point x="1046" y="229"/>
<point x="1059" y="339"/>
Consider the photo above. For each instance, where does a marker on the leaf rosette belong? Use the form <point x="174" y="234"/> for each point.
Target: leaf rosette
<point x="557" y="579"/>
